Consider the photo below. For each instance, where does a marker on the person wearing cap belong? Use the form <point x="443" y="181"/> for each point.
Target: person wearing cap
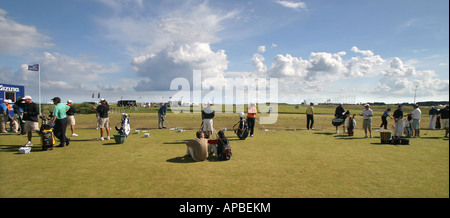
<point x="310" y="116"/>
<point x="162" y="116"/>
<point x="208" y="115"/>
<point x="60" y="121"/>
<point x="18" y="116"/>
<point x="30" y="116"/>
<point x="251" y="115"/>
<point x="367" y="113"/>
<point x="3" y="115"/>
<point x="103" y="120"/>
<point x="398" y="120"/>
<point x="416" y="114"/>
<point x="13" y="125"/>
<point x="71" y="117"/>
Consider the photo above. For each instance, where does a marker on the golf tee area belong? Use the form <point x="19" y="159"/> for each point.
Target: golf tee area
<point x="282" y="160"/>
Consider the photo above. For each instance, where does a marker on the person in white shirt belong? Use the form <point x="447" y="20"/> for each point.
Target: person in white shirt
<point x="208" y="115"/>
<point x="367" y="113"/>
<point x="416" y="113"/>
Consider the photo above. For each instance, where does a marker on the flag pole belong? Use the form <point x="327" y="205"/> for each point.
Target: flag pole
<point x="39" y="72"/>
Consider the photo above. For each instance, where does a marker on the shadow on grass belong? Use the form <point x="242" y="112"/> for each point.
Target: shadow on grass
<point x="347" y="137"/>
<point x="111" y="143"/>
<point x="10" y="148"/>
<point x="379" y="143"/>
<point x="184" y="159"/>
<point x="15" y="148"/>
<point x="434" y="138"/>
<point x="188" y="159"/>
<point x="177" y="142"/>
<point x="82" y="140"/>
<point x="324" y="133"/>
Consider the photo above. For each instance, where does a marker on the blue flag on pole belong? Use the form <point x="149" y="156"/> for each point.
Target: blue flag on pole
<point x="34" y="67"/>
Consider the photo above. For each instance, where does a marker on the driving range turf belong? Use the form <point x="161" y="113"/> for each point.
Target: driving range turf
<point x="287" y="161"/>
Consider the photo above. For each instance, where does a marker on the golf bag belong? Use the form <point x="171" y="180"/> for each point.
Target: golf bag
<point x="46" y="133"/>
<point x="341" y="119"/>
<point x="224" y="149"/>
<point x="351" y="126"/>
<point x="241" y="129"/>
<point x="407" y="127"/>
<point x="124" y="128"/>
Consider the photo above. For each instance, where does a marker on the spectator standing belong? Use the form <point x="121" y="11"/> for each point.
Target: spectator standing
<point x="444" y="113"/>
<point x="438" y="119"/>
<point x="30" y="116"/>
<point x="3" y="115"/>
<point x="71" y="117"/>
<point x="310" y="116"/>
<point x="416" y="114"/>
<point x="398" y="119"/>
<point x="367" y="113"/>
<point x="18" y="116"/>
<point x="208" y="115"/>
<point x="433" y="117"/>
<point x="13" y="125"/>
<point x="60" y="121"/>
<point x="251" y="116"/>
<point x="162" y="116"/>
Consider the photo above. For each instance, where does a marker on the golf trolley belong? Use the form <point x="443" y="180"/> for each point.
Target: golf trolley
<point x="46" y="133"/>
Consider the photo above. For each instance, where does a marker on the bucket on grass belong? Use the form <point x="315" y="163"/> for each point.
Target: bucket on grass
<point x="120" y="138"/>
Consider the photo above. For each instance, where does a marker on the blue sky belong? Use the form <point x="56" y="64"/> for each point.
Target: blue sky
<point x="346" y="50"/>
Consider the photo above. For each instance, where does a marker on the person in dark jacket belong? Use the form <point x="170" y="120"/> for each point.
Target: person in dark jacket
<point x="339" y="112"/>
<point x="102" y="111"/>
<point x="18" y="116"/>
<point x="162" y="116"/>
<point x="445" y="114"/>
<point x="30" y="116"/>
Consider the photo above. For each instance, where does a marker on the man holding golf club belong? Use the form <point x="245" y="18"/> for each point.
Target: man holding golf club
<point x="162" y="116"/>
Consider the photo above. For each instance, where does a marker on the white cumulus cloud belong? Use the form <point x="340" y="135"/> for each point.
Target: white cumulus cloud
<point x="296" y="5"/>
<point x="16" y="38"/>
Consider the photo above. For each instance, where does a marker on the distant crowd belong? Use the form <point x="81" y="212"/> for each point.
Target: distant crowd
<point x="404" y="124"/>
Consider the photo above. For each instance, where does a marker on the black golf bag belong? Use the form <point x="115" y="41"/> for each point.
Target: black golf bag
<point x="241" y="129"/>
<point x="46" y="133"/>
<point x="407" y="126"/>
<point x="341" y="119"/>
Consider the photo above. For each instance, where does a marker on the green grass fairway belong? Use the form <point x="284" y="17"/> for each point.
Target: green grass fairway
<point x="275" y="163"/>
